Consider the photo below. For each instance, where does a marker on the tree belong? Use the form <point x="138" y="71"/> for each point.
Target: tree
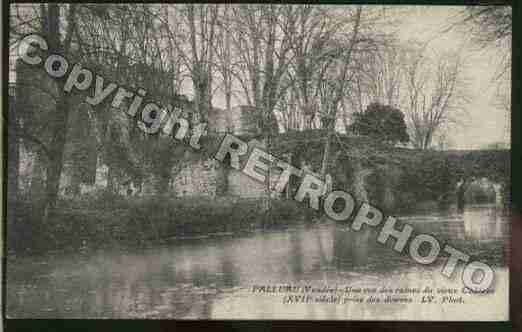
<point x="341" y="66"/>
<point x="489" y="27"/>
<point x="263" y="43"/>
<point x="435" y="94"/>
<point x="382" y="122"/>
<point x="201" y="21"/>
<point x="126" y="43"/>
<point x="314" y="30"/>
<point x="380" y="77"/>
<point x="57" y="23"/>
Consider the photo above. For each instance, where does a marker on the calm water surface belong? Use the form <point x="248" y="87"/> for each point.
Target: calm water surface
<point x="202" y="278"/>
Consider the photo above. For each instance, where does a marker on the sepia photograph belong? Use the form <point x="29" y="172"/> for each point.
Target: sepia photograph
<point x="257" y="162"/>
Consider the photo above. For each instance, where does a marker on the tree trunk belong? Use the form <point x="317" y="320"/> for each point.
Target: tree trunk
<point x="59" y="121"/>
<point x="76" y="180"/>
<point x="387" y="182"/>
<point x="228" y="103"/>
<point x="506" y="197"/>
<point x="460" y="196"/>
<point x="56" y="149"/>
<point x="13" y="164"/>
<point x="330" y="128"/>
<point x="358" y="177"/>
<point x="326" y="154"/>
<point x="37" y="182"/>
<point x="161" y="183"/>
<point x="111" y="179"/>
<point x="388" y="200"/>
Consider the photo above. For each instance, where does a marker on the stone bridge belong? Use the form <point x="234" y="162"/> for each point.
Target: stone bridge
<point x="471" y="165"/>
<point x="383" y="174"/>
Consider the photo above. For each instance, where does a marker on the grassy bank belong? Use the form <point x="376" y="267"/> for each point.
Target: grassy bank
<point x="107" y="220"/>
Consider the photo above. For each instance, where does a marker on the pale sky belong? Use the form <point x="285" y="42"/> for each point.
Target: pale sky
<point x="485" y="123"/>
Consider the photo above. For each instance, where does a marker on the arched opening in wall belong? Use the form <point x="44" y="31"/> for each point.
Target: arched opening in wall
<point x="479" y="191"/>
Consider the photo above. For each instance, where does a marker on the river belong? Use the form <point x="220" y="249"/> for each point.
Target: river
<point x="213" y="277"/>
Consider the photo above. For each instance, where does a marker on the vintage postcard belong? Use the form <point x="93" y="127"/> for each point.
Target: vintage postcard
<point x="258" y="161"/>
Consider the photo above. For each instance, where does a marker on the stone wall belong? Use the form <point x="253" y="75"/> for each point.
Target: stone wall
<point x="209" y="177"/>
<point x="86" y="170"/>
<point x="198" y="178"/>
<point x="242" y="185"/>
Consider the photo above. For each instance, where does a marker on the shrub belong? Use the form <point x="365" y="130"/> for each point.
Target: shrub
<point x="381" y="122"/>
<point x="109" y="219"/>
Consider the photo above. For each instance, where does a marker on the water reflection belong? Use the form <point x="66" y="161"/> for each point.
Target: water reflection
<point x="485" y="223"/>
<point x="203" y="278"/>
<point x="476" y="222"/>
<point x="350" y="248"/>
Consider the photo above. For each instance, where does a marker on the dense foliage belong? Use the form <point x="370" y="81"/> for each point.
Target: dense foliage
<point x="381" y="122"/>
<point x="429" y="177"/>
<point x="107" y="219"/>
